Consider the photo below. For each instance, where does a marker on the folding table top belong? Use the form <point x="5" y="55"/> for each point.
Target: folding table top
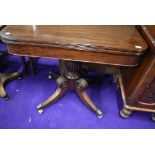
<point x="99" y="38"/>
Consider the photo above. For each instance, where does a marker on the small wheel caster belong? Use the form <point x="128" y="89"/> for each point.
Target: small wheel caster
<point x="153" y="117"/>
<point x="19" y="78"/>
<point x="40" y="111"/>
<point x="6" y="97"/>
<point x="99" y="114"/>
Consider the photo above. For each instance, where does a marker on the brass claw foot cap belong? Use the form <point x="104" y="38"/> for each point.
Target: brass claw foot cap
<point x="39" y="106"/>
<point x="99" y="113"/>
<point x="40" y="111"/>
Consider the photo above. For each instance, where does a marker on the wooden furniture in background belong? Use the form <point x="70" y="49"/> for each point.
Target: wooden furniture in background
<point x="75" y="46"/>
<point x="138" y="84"/>
<point x="5" y="77"/>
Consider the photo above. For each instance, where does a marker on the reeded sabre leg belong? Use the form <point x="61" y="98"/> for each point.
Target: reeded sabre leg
<point x="80" y="90"/>
<point x="84" y="97"/>
<point x="53" y="98"/>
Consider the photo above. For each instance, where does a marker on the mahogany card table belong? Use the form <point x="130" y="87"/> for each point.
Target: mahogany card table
<point x="75" y="46"/>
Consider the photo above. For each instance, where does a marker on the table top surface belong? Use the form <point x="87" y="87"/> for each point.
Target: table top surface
<point x="80" y="37"/>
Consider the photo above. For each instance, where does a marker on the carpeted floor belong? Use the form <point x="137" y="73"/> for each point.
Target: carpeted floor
<point x="20" y="110"/>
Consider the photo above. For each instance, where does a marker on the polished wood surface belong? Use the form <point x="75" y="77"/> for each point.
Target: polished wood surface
<point x="112" y="45"/>
<point x="74" y="55"/>
<point x="71" y="79"/>
<point x="117" y="45"/>
<point x="91" y="38"/>
<point x="138" y="84"/>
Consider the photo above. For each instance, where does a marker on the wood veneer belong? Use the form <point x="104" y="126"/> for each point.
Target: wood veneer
<point x="117" y="45"/>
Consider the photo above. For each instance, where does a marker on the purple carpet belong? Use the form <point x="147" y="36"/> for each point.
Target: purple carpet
<point x="69" y="112"/>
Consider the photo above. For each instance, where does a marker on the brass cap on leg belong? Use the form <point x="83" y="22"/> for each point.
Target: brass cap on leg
<point x="99" y="113"/>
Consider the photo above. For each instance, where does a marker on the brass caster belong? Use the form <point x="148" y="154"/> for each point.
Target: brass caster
<point x="153" y="117"/>
<point x="40" y="111"/>
<point x="99" y="113"/>
<point x="6" y="97"/>
<point x="123" y="115"/>
<point x="19" y="78"/>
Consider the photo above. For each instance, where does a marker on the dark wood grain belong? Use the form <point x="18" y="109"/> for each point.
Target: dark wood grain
<point x="69" y="54"/>
<point x="114" y="45"/>
<point x="148" y="96"/>
<point x="96" y="38"/>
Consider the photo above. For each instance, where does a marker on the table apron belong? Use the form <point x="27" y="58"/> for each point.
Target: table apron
<point x="74" y="55"/>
